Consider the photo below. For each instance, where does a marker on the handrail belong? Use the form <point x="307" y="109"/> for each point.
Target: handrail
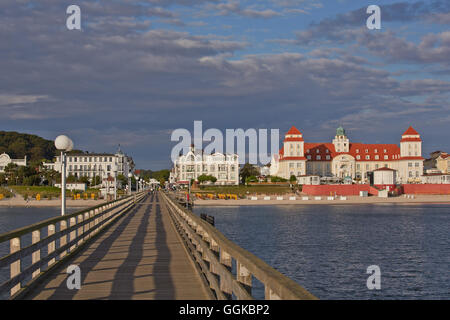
<point x="215" y="255"/>
<point x="74" y="230"/>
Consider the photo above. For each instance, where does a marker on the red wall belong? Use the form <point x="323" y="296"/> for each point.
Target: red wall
<point x="339" y="189"/>
<point x="426" y="188"/>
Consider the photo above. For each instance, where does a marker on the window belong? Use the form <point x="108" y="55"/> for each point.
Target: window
<point x="376" y="150"/>
<point x="417" y="173"/>
<point x="357" y="150"/>
<point x="417" y="164"/>
<point x="317" y="150"/>
<point x="377" y="157"/>
<point x="376" y="166"/>
<point x="386" y="157"/>
<point x="367" y="167"/>
<point x="367" y="150"/>
<point x="328" y="151"/>
<point x="384" y="150"/>
<point x="318" y="158"/>
<point x="367" y="157"/>
<point x="358" y="157"/>
<point x="410" y="174"/>
<point x="291" y="165"/>
<point x="328" y="157"/>
<point x="299" y="164"/>
<point x="358" y="166"/>
<point x="409" y="164"/>
<point x="309" y="157"/>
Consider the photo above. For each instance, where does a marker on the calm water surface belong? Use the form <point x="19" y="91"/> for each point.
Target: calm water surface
<point x="17" y="217"/>
<point x="327" y="248"/>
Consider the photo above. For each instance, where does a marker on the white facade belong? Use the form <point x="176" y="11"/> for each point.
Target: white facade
<point x="73" y="186"/>
<point x="436" y="178"/>
<point x="91" y="165"/>
<point x="6" y="159"/>
<point x="225" y="167"/>
<point x="384" y="176"/>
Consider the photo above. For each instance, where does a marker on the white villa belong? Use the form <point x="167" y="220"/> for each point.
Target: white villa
<point x="348" y="160"/>
<point x="5" y="159"/>
<point x="225" y="167"/>
<point x="94" y="164"/>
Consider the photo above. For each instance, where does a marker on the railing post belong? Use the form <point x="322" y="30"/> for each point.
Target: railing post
<point x="86" y="226"/>
<point x="73" y="234"/>
<point x="270" y="295"/>
<point x="244" y="277"/>
<point x="81" y="228"/>
<point x="51" y="245"/>
<point x="226" y="286"/>
<point x="15" y="266"/>
<point x="63" y="239"/>
<point x="36" y="255"/>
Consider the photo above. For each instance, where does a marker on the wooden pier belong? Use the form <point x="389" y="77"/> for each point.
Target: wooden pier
<point x="142" y="247"/>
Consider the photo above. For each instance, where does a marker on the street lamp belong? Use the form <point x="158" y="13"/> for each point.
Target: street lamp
<point x="64" y="144"/>
<point x="130" y="175"/>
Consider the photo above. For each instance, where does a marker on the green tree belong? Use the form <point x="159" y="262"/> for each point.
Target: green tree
<point x="248" y="170"/>
<point x="71" y="179"/>
<point x="84" y="179"/>
<point x="96" y="181"/>
<point x="293" y="178"/>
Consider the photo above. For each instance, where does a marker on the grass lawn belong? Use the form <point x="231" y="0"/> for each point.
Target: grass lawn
<point x="46" y="191"/>
<point x="242" y="190"/>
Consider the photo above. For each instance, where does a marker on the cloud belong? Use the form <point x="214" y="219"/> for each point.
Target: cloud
<point x="234" y="7"/>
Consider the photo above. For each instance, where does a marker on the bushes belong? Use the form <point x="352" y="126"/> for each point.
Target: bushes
<point x="204" y="178"/>
<point x="6" y="193"/>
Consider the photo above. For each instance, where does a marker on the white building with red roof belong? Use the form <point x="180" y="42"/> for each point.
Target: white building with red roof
<point x="344" y="159"/>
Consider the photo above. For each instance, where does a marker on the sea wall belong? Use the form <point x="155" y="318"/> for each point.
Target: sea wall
<point x="426" y="189"/>
<point x="338" y="189"/>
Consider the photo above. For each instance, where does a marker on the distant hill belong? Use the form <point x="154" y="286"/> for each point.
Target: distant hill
<point x="17" y="145"/>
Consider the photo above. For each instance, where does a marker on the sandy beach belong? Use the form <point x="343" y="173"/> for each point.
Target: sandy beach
<point x="350" y="200"/>
<point x="18" y="201"/>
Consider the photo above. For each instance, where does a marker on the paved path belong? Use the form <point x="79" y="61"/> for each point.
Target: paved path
<point x="140" y="257"/>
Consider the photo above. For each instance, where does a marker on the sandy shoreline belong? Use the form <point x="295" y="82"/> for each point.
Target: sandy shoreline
<point x="19" y="202"/>
<point x="442" y="199"/>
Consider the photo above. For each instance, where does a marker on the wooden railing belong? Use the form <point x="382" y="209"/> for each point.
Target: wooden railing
<point x="64" y="235"/>
<point x="216" y="256"/>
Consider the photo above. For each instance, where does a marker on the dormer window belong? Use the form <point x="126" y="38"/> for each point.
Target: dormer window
<point x="376" y="150"/>
<point x="327" y="151"/>
<point x="358" y="157"/>
<point x="317" y="150"/>
<point x="357" y="150"/>
<point x="367" y="157"/>
<point x="377" y="157"/>
<point x="318" y="158"/>
<point x="309" y="157"/>
<point x="367" y="150"/>
<point x="384" y="150"/>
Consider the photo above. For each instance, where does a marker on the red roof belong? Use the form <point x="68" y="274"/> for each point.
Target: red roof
<point x="392" y="151"/>
<point x="293" y="130"/>
<point x="410" y="139"/>
<point x="410" y="132"/>
<point x="293" y="139"/>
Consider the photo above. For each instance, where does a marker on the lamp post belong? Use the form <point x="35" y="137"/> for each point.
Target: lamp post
<point x="129" y="182"/>
<point x="64" y="144"/>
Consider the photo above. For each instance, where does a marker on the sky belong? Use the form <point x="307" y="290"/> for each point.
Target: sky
<point x="139" y="69"/>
